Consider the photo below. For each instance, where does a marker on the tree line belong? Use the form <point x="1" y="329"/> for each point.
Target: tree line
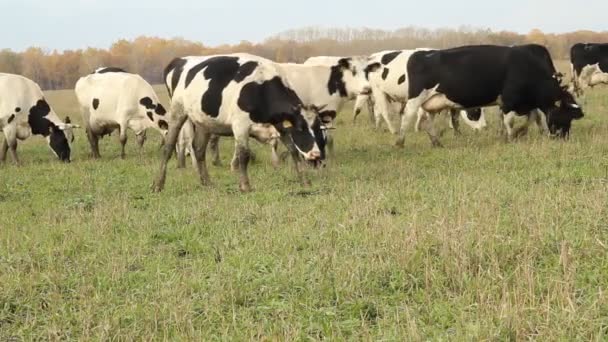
<point x="148" y="56"/>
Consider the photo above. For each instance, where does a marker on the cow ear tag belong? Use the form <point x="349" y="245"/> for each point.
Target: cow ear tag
<point x="287" y="124"/>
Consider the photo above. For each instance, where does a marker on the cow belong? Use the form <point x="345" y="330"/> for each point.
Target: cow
<point x="390" y="85"/>
<point x="521" y="80"/>
<point x="227" y="95"/>
<point x="324" y="84"/>
<point x="25" y="112"/>
<point x="589" y="63"/>
<point x="111" y="98"/>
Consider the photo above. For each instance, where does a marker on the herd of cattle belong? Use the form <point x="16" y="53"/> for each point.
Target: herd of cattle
<point x="245" y="96"/>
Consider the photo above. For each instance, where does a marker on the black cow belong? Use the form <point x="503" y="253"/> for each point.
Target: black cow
<point x="521" y="80"/>
<point x="589" y="65"/>
<point x="228" y="95"/>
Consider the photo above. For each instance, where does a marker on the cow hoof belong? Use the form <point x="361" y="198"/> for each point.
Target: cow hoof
<point x="245" y="188"/>
<point x="157" y="188"/>
<point x="400" y="143"/>
<point x="217" y="163"/>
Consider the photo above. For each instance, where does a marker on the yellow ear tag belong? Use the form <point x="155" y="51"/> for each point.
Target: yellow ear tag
<point x="287" y="124"/>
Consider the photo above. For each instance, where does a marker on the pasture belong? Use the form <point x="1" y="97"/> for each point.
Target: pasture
<point x="480" y="240"/>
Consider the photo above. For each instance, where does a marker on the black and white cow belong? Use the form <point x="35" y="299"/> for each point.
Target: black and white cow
<point x="227" y="95"/>
<point x="24" y="111"/>
<point x="521" y="80"/>
<point x="110" y="99"/>
<point x="324" y="84"/>
<point x="390" y="87"/>
<point x="589" y="66"/>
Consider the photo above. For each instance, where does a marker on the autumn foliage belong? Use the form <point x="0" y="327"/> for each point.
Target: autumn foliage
<point x="147" y="56"/>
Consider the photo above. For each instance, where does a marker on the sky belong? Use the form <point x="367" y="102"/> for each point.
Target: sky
<point x="74" y="24"/>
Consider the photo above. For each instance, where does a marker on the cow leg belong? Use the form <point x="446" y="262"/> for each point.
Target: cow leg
<point x="123" y="140"/>
<point x="432" y="131"/>
<point x="243" y="154"/>
<point x="501" y="125"/>
<point x="171" y="140"/>
<point x="455" y="121"/>
<point x="199" y="151"/>
<point x="541" y="121"/>
<point x="330" y="144"/>
<point x="508" y="120"/>
<point x="274" y="154"/>
<point x="214" y="146"/>
<point x="381" y="110"/>
<point x="141" y="139"/>
<point x="295" y="156"/>
<point x="12" y="145"/>
<point x="411" y="110"/>
<point x="180" y="150"/>
<point x="94" y="142"/>
<point x="3" y="150"/>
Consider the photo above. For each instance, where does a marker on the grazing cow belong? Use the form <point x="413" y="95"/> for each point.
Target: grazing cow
<point x="589" y="66"/>
<point x="325" y="84"/>
<point x="390" y="86"/>
<point x="24" y="111"/>
<point x="521" y="80"/>
<point x="227" y="95"/>
<point x="111" y="98"/>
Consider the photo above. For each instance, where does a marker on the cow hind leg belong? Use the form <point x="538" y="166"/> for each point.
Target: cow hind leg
<point x="199" y="151"/>
<point x="214" y="146"/>
<point x="431" y="130"/>
<point x="455" y="121"/>
<point x="243" y="154"/>
<point x="123" y="141"/>
<point x="94" y="143"/>
<point x="168" y="149"/>
<point x="508" y="120"/>
<point x="411" y="110"/>
<point x="3" y="150"/>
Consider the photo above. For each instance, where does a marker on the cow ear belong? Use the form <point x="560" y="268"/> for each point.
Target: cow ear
<point x="372" y="67"/>
<point x="287" y="124"/>
<point x="344" y="63"/>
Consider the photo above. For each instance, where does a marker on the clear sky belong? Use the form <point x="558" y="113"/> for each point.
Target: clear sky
<point x="70" y="24"/>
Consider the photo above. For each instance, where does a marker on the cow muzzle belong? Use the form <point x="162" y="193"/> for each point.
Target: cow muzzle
<point x="312" y="156"/>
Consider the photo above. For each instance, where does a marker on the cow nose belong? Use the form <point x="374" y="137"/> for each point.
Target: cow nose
<point x="314" y="155"/>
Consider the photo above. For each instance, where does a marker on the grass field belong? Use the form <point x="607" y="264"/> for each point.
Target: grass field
<point x="480" y="240"/>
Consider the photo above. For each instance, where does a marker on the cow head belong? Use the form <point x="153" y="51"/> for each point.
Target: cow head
<point x="60" y="138"/>
<point x="349" y="77"/>
<point x="302" y="130"/>
<point x="559" y="119"/>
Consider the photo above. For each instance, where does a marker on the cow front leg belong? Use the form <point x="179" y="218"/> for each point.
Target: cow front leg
<point x="275" y="160"/>
<point x="297" y="160"/>
<point x="199" y="150"/>
<point x="168" y="149"/>
<point x="141" y="139"/>
<point x="214" y="146"/>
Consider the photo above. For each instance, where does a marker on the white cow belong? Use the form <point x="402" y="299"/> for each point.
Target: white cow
<point x="113" y="99"/>
<point x="24" y="111"/>
<point x="227" y="95"/>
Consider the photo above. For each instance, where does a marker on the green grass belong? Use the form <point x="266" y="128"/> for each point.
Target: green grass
<point x="480" y="240"/>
